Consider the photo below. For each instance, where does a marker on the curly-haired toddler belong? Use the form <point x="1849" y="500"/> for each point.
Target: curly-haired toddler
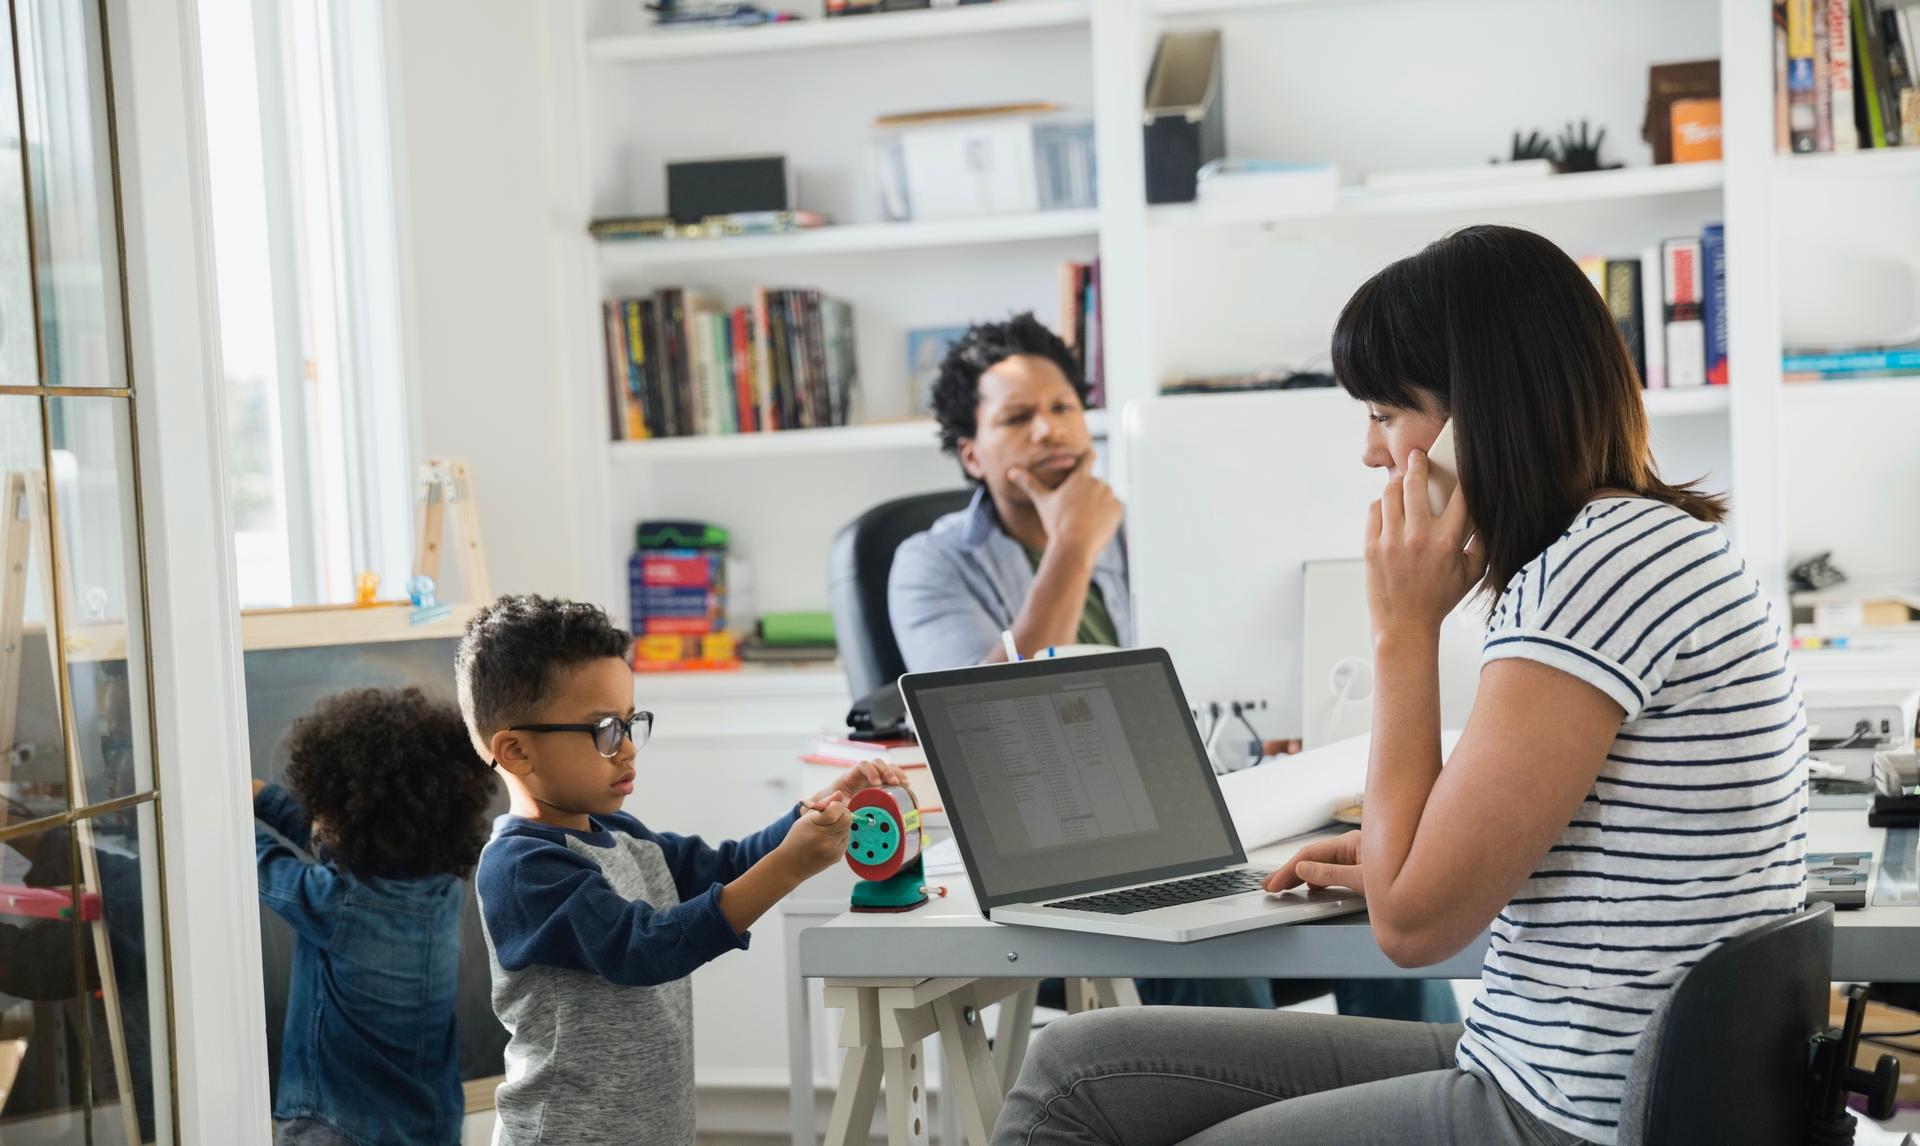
<point x="382" y="818"/>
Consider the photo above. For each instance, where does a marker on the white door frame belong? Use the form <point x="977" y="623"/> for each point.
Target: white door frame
<point x="213" y="930"/>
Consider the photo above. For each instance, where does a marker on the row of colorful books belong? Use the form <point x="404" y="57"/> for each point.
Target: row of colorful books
<point x="1670" y="303"/>
<point x="680" y="363"/>
<point x="1846" y="74"/>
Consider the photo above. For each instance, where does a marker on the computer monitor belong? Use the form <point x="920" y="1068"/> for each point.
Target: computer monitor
<point x="1245" y="510"/>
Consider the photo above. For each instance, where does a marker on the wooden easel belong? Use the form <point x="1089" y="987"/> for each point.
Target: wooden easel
<point x="24" y="520"/>
<point x="446" y="484"/>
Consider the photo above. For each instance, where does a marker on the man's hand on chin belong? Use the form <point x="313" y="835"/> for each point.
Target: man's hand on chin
<point x="1078" y="510"/>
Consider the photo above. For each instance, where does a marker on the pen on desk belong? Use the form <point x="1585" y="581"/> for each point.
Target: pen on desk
<point x="1006" y="642"/>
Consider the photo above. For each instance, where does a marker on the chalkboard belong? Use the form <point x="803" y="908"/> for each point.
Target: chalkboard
<point x="283" y="685"/>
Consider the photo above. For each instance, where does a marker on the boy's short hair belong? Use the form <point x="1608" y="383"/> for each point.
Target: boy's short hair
<point x="514" y="651"/>
<point x="391" y="782"/>
<point x="956" y="390"/>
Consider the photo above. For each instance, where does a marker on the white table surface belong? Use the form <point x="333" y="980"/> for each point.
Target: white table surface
<point x="949" y="938"/>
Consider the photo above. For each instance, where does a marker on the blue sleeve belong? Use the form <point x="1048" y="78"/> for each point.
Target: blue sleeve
<point x="282" y="811"/>
<point x="546" y="905"/>
<point x="296" y="888"/>
<point x="937" y="620"/>
<point x="697" y="866"/>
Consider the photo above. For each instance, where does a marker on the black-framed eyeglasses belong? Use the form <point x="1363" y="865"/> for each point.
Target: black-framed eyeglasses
<point x="607" y="732"/>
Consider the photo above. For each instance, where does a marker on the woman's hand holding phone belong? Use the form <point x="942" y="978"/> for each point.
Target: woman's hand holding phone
<point x="1421" y="560"/>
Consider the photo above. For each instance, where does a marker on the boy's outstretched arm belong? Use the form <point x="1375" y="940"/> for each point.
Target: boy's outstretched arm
<point x="549" y="906"/>
<point x="697" y="864"/>
<point x="815" y="842"/>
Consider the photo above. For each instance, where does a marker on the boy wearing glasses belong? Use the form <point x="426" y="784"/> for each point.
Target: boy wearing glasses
<point x="594" y="920"/>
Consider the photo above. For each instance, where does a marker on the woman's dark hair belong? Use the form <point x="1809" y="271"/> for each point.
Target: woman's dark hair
<point x="956" y="390"/>
<point x="1499" y="330"/>
<point x="392" y="783"/>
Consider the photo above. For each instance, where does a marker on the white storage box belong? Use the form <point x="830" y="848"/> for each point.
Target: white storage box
<point x="966" y="162"/>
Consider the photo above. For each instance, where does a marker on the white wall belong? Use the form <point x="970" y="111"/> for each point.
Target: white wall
<point x="470" y="138"/>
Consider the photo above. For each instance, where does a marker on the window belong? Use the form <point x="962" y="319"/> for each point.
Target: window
<point x="307" y="263"/>
<point x="85" y="1037"/>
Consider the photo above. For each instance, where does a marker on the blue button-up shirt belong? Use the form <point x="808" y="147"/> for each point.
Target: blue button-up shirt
<point x="956" y="587"/>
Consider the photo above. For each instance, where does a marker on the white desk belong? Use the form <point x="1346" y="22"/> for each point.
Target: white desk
<point x="946" y="943"/>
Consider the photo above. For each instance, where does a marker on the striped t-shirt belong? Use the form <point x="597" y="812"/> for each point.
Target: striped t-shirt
<point x="1693" y="832"/>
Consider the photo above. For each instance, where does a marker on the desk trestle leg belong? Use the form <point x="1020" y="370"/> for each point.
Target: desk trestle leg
<point x="886" y="1026"/>
<point x="906" y="1095"/>
<point x="1094" y="994"/>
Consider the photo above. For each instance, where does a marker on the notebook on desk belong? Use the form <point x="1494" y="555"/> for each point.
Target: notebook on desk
<point x="1083" y="799"/>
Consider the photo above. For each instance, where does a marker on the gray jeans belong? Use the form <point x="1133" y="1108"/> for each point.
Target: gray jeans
<point x="1149" y="1076"/>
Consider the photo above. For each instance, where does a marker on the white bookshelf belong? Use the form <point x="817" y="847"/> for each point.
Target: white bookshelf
<point x="1174" y="275"/>
<point x="857" y="238"/>
<point x="1361" y="202"/>
<point x="818" y="35"/>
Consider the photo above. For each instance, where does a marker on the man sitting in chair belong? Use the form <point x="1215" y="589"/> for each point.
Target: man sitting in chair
<point x="1041" y="554"/>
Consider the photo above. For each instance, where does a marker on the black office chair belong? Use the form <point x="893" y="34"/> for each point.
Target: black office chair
<point x="857" y="583"/>
<point x="1740" y="1050"/>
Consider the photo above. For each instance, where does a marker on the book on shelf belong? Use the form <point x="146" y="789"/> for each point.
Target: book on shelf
<point x="1686" y="334"/>
<point x="1653" y="322"/>
<point x="1840" y="114"/>
<point x="1622" y="291"/>
<point x="1080" y="323"/>
<point x="1850" y="365"/>
<point x="620" y="228"/>
<point x="1669" y="303"/>
<point x="1713" y="301"/>
<point x="866" y="7"/>
<point x="1822" y="77"/>
<point x="1801" y="112"/>
<point x="681" y="363"/>
<point x="1846" y="74"/>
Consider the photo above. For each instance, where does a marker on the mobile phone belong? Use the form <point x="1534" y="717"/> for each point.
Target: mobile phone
<point x="1442" y="473"/>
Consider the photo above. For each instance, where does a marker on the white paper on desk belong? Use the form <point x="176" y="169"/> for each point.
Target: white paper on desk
<point x="1290" y="795"/>
<point x="943" y="858"/>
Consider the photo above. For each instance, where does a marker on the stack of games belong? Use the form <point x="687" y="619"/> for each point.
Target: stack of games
<point x="677" y="585"/>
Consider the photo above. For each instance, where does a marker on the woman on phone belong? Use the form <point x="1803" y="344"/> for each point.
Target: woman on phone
<point x="1628" y="791"/>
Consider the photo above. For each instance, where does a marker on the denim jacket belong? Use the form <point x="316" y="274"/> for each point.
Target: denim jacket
<point x="370" y="1046"/>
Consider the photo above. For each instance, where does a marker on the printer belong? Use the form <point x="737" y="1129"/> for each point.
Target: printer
<point x="1854" y="717"/>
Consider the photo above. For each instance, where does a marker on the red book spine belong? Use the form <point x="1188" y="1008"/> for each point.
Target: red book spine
<point x="676" y="572"/>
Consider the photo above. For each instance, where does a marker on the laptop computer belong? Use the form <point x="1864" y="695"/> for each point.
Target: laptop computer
<point x="1082" y="799"/>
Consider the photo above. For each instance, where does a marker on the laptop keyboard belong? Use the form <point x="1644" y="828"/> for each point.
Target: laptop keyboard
<point x="1215" y="886"/>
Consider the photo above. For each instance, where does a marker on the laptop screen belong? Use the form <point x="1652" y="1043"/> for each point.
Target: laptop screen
<point x="1070" y="775"/>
